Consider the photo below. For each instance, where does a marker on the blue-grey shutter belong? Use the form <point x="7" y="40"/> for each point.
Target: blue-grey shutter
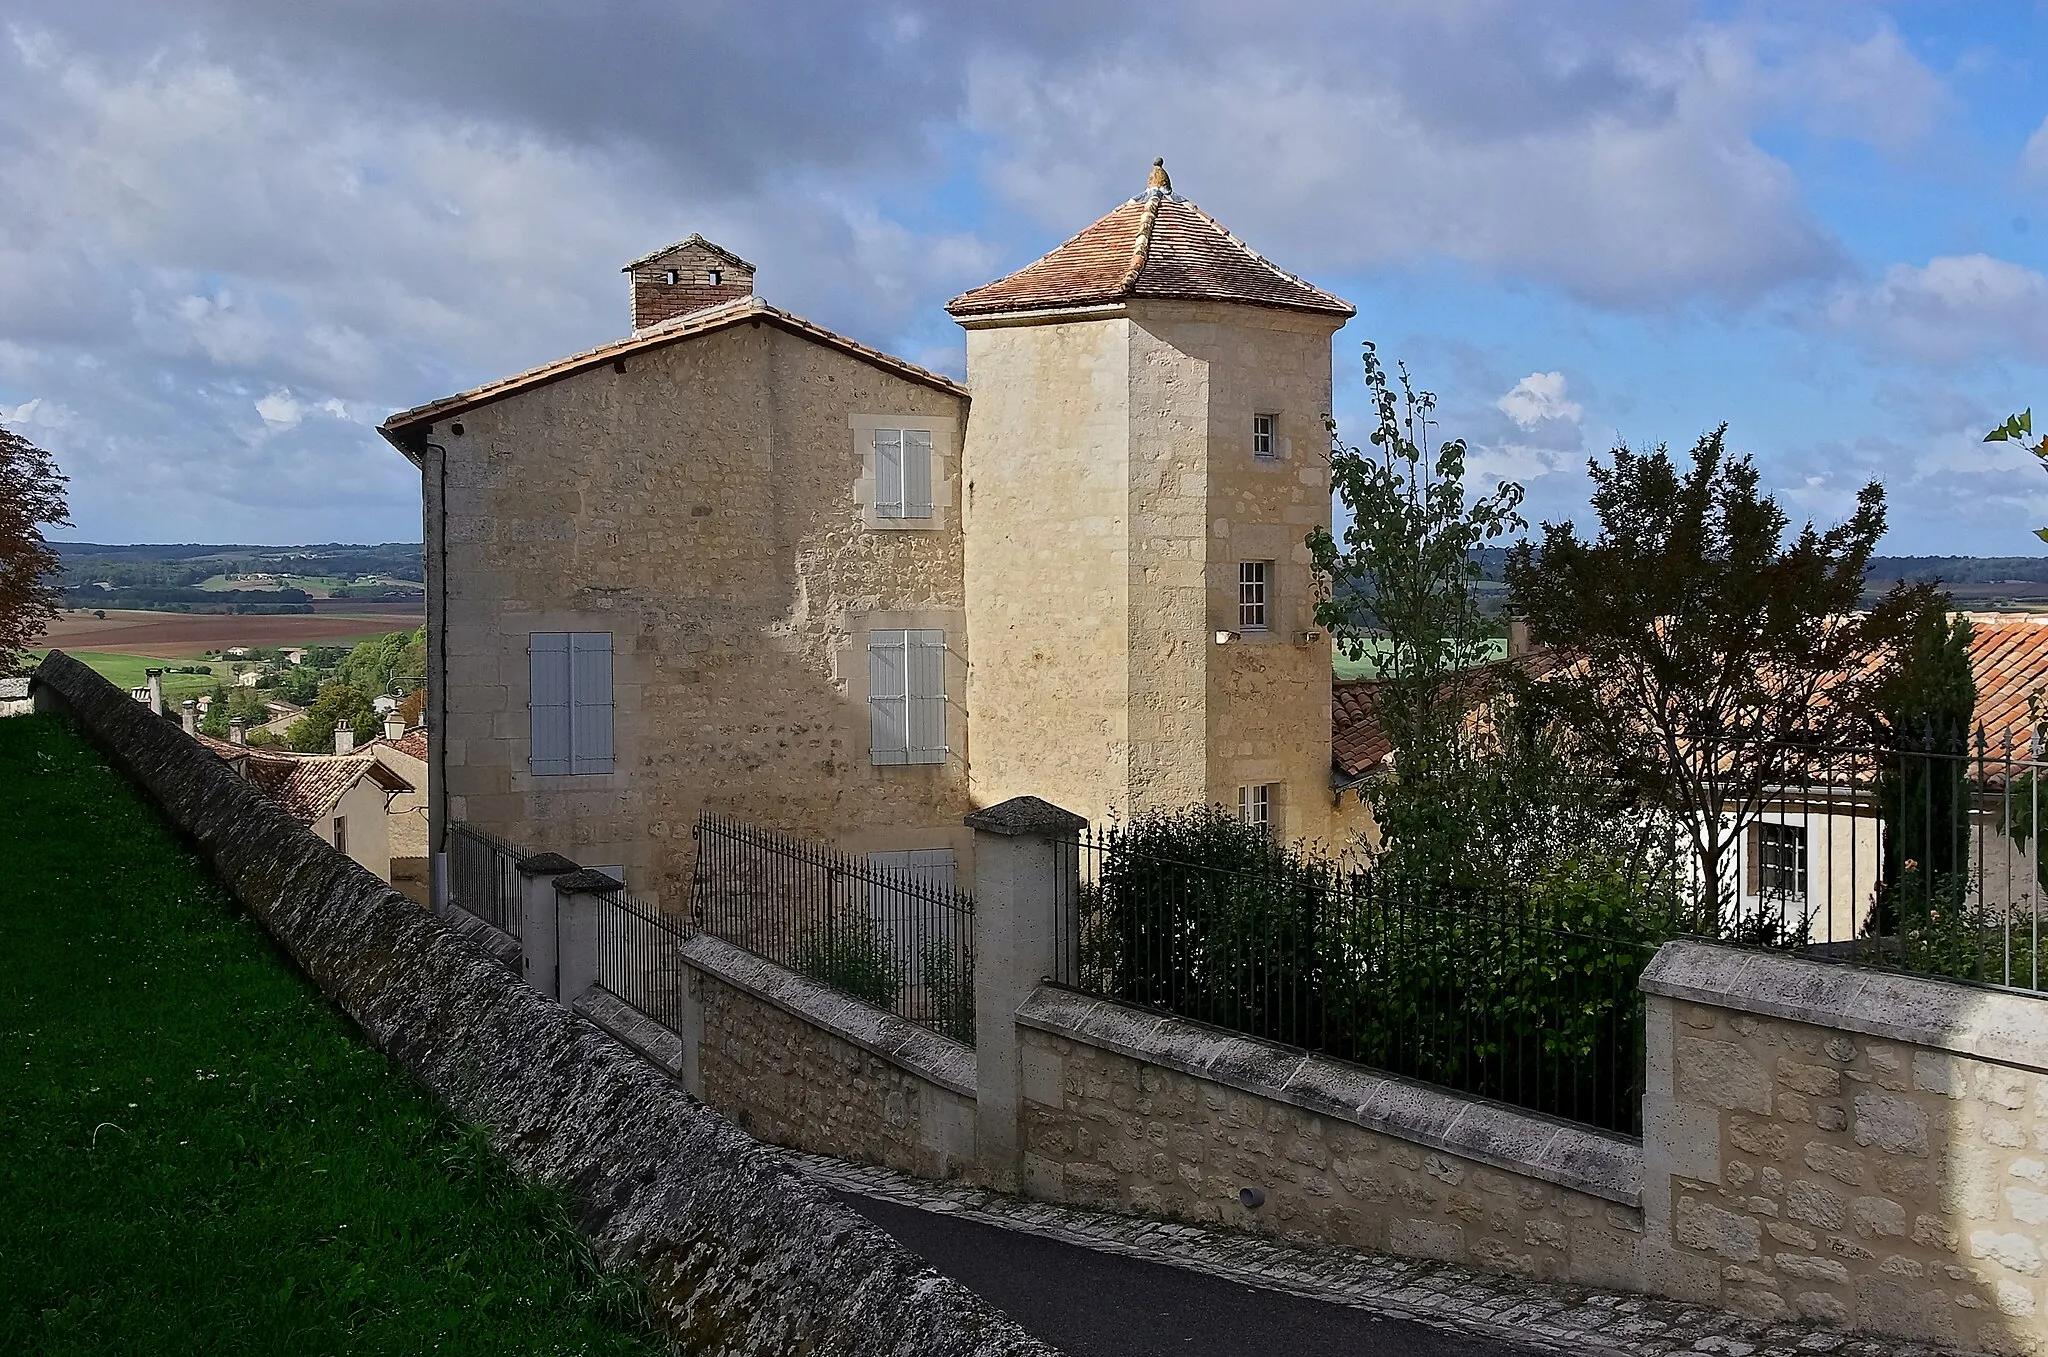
<point x="917" y="473"/>
<point x="547" y="699"/>
<point x="926" y="690"/>
<point x="888" y="705"/>
<point x="888" y="473"/>
<point x="590" y="695"/>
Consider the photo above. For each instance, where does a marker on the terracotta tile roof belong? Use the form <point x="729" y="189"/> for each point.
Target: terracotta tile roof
<point x="2009" y="660"/>
<point x="306" y="786"/>
<point x="1156" y="245"/>
<point x="400" y="429"/>
<point x="1359" y="744"/>
<point x="412" y="744"/>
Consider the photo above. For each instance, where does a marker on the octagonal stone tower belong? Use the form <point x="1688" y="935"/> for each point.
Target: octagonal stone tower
<point x="1144" y="459"/>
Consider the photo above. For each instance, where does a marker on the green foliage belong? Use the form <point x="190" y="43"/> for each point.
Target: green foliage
<point x="2018" y="429"/>
<point x="852" y="956"/>
<point x="230" y="704"/>
<point x="201" y="1154"/>
<point x="1927" y="700"/>
<point x="31" y="499"/>
<point x="949" y="990"/>
<point x="313" y="733"/>
<point x="375" y="666"/>
<point x="1713" y="653"/>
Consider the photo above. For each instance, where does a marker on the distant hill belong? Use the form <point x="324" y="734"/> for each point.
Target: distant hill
<point x="238" y="578"/>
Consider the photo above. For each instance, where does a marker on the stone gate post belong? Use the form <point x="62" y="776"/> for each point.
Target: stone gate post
<point x="1026" y="875"/>
<point x="576" y="899"/>
<point x="537" y="876"/>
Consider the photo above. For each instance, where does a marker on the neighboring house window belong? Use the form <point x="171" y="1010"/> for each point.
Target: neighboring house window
<point x="1251" y="594"/>
<point x="1265" y="443"/>
<point x="903" y="473"/>
<point x="570" y="699"/>
<point x="1255" y="807"/>
<point x="907" y="696"/>
<point x="1778" y="861"/>
<point x="910" y="906"/>
<point x="341" y="834"/>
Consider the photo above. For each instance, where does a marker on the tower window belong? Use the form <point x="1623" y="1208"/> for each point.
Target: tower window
<point x="669" y="277"/>
<point x="1251" y="594"/>
<point x="716" y="276"/>
<point x="1265" y="442"/>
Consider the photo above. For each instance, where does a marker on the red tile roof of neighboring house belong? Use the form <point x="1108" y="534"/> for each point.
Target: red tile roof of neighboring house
<point x="2009" y="660"/>
<point x="412" y="744"/>
<point x="405" y="430"/>
<point x="306" y="786"/>
<point x="1359" y="744"/>
<point x="1155" y="245"/>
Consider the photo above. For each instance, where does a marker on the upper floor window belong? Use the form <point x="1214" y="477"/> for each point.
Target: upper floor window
<point x="569" y="697"/>
<point x="907" y="696"/>
<point x="1265" y="437"/>
<point x="903" y="473"/>
<point x="1255" y="807"/>
<point x="1252" y="577"/>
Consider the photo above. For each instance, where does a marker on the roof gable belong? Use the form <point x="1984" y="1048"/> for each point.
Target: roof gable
<point x="692" y="243"/>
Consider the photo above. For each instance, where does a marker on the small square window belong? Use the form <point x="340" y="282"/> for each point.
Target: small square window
<point x="1780" y="861"/>
<point x="716" y="276"/>
<point x="1251" y="594"/>
<point x="1255" y="807"/>
<point x="669" y="277"/>
<point x="1265" y="439"/>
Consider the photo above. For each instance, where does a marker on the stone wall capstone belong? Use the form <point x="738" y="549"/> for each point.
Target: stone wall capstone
<point x="741" y="1255"/>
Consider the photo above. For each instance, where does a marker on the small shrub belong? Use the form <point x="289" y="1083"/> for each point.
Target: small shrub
<point x="854" y="958"/>
<point x="949" y="990"/>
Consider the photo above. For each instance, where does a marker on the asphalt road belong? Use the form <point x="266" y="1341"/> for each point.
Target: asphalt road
<point x="1090" y="1304"/>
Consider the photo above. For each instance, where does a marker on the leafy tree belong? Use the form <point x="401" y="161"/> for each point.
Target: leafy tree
<point x="31" y="497"/>
<point x="1402" y="581"/>
<point x="313" y="733"/>
<point x="230" y="704"/>
<point x="1716" y="660"/>
<point x="2017" y="429"/>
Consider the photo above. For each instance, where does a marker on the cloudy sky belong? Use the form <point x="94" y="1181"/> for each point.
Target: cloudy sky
<point x="234" y="234"/>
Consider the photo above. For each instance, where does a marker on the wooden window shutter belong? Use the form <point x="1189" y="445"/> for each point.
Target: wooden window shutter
<point x="590" y="693"/>
<point x="888" y="697"/>
<point x="888" y="473"/>
<point x="1753" y="861"/>
<point x="547" y="700"/>
<point x="917" y="473"/>
<point x="926" y="690"/>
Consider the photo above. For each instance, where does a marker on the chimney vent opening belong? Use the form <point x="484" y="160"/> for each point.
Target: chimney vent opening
<point x="669" y="277"/>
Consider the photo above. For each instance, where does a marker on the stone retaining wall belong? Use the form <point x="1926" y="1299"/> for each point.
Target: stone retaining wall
<point x="1862" y="1149"/>
<point x="1130" y="1111"/>
<point x="741" y="1255"/>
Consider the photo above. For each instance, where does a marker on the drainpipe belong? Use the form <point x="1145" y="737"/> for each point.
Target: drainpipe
<point x="437" y="666"/>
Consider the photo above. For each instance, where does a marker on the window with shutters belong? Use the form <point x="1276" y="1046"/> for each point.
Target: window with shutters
<point x="1252" y="580"/>
<point x="569" y="698"/>
<point x="903" y="473"/>
<point x="907" y="696"/>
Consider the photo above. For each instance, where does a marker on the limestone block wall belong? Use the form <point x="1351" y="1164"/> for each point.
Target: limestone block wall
<point x="1125" y="1110"/>
<point x="797" y="1065"/>
<point x="1862" y="1149"/>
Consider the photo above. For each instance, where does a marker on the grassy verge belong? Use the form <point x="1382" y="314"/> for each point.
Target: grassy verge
<point x="197" y="1154"/>
<point x="130" y="671"/>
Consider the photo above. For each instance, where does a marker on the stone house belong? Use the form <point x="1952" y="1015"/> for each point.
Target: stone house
<point x="343" y="799"/>
<point x="403" y="752"/>
<point x="738" y="561"/>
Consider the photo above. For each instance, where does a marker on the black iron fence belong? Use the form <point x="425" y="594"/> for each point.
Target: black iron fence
<point x="890" y="929"/>
<point x="483" y="876"/>
<point x="637" y="959"/>
<point x="1499" y="996"/>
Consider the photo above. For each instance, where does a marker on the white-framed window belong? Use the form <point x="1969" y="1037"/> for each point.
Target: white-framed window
<point x="669" y="276"/>
<point x="903" y="473"/>
<point x="569" y="698"/>
<point x="1265" y="437"/>
<point x="1255" y="806"/>
<point x="1778" y="860"/>
<point x="1253" y="578"/>
<point x="715" y="277"/>
<point x="907" y="696"/>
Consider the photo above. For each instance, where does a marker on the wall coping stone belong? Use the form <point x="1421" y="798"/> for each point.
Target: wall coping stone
<point x="919" y="1050"/>
<point x="1527" y="1143"/>
<point x="1026" y="815"/>
<point x="501" y="946"/>
<point x="1912" y="1009"/>
<point x="545" y="864"/>
<point x="587" y="881"/>
<point x="643" y="1034"/>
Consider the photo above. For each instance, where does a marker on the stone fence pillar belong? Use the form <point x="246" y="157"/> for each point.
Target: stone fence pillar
<point x="576" y="929"/>
<point x="537" y="911"/>
<point x="1026" y="875"/>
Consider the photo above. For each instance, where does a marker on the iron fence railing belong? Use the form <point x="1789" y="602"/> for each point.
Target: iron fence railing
<point x="1487" y="994"/>
<point x="889" y="929"/>
<point x="483" y="876"/>
<point x="637" y="959"/>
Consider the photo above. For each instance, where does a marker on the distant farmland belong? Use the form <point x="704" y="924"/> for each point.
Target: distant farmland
<point x="173" y="636"/>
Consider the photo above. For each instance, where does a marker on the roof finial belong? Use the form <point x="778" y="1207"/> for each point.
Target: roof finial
<point x="1159" y="183"/>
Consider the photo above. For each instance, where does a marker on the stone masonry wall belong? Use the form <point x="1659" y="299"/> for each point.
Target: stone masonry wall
<point x="741" y="1254"/>
<point x="1869" y="1151"/>
<point x="1108" y="1130"/>
<point x="790" y="1081"/>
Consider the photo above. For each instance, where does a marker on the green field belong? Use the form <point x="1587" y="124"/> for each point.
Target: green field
<point x="1368" y="666"/>
<point x="197" y="1152"/>
<point x="130" y="671"/>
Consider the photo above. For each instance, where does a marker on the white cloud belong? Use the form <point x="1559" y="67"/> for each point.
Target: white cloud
<point x="1955" y="309"/>
<point x="1538" y="397"/>
<point x="2034" y="158"/>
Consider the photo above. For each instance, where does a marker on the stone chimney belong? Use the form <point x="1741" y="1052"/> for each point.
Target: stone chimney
<point x="156" y="692"/>
<point x="188" y="716"/>
<point x="238" y="732"/>
<point x="687" y="276"/>
<point x="394" y="725"/>
<point x="344" y="738"/>
<point x="1518" y="637"/>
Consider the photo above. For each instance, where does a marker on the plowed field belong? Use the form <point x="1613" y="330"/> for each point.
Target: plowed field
<point x="174" y="635"/>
